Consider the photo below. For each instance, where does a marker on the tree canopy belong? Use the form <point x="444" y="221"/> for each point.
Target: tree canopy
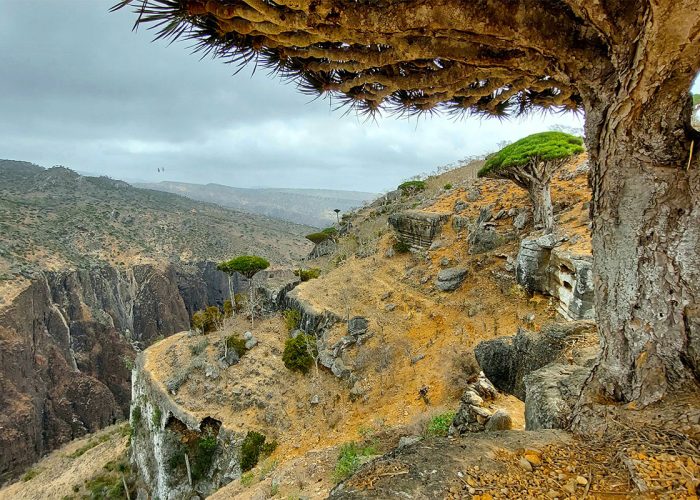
<point x="545" y="146"/>
<point x="247" y="265"/>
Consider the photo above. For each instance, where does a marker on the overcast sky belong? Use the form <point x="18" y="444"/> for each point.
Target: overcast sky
<point x="80" y="89"/>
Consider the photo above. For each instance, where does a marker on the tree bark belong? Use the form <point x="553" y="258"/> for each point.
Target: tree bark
<point x="646" y="238"/>
<point x="541" y="199"/>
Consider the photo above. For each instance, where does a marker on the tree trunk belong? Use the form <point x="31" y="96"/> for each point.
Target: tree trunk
<point x="541" y="199"/>
<point x="646" y="237"/>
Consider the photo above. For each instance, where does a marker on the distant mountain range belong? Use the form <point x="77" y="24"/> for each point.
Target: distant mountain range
<point x="313" y="207"/>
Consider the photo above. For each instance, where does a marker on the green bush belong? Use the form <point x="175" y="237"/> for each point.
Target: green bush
<point x="228" y="308"/>
<point x="251" y="449"/>
<point x="30" y="474"/>
<point x="350" y="459"/>
<point x="440" y="424"/>
<point x="156" y="417"/>
<point x="412" y="187"/>
<point x="308" y="274"/>
<point x="247" y="265"/>
<point x="546" y="146"/>
<point x="135" y="416"/>
<point x="237" y="344"/>
<point x="696" y="99"/>
<point x="299" y="353"/>
<point x="292" y="319"/>
<point x="203" y="456"/>
<point x="247" y="479"/>
<point x="448" y="186"/>
<point x="401" y="247"/>
<point x="208" y="320"/>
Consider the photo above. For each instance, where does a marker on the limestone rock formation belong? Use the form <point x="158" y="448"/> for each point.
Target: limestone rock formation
<point x="507" y="360"/>
<point x="418" y="228"/>
<point x="541" y="267"/>
<point x="326" y="247"/>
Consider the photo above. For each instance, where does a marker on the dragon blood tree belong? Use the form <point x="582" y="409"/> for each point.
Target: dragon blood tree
<point x="248" y="266"/>
<point x="627" y="65"/>
<point x="530" y="163"/>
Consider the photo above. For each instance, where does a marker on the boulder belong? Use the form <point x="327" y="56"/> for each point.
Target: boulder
<point x="507" y="360"/>
<point x="449" y="279"/>
<point x="357" y="326"/>
<point x="460" y="205"/>
<point x="460" y="222"/>
<point x="551" y="393"/>
<point x="418" y="228"/>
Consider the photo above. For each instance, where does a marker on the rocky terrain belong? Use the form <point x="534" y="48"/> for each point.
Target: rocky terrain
<point x="450" y="342"/>
<point x="313" y="207"/>
<point x="96" y="272"/>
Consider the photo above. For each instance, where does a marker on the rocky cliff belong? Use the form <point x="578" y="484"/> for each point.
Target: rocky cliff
<point x="67" y="345"/>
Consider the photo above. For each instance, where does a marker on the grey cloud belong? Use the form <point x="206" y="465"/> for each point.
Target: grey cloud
<point x="79" y="88"/>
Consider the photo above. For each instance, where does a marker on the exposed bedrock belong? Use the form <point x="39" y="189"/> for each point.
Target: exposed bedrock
<point x="67" y="344"/>
<point x="541" y="267"/>
<point x="545" y="369"/>
<point x="177" y="455"/>
<point x="418" y="228"/>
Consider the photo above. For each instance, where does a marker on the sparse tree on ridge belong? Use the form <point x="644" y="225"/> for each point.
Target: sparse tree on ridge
<point x="530" y="163"/>
<point x="248" y="266"/>
<point x="628" y="65"/>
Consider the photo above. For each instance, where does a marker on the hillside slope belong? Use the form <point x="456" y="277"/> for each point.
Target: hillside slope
<point x="54" y="218"/>
<point x="313" y="207"/>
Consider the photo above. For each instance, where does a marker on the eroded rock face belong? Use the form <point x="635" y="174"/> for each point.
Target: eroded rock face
<point x="164" y="432"/>
<point x="273" y="287"/>
<point x="507" y="360"/>
<point x="67" y="344"/>
<point x="418" y="228"/>
<point x="541" y="267"/>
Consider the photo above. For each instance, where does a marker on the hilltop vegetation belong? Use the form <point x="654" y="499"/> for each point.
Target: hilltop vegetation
<point x="51" y="218"/>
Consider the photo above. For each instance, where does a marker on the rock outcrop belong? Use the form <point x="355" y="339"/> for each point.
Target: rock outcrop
<point x="67" y="344"/>
<point x="312" y="320"/>
<point x="507" y="360"/>
<point x="177" y="454"/>
<point x="326" y="247"/>
<point x="450" y="279"/>
<point x="273" y="286"/>
<point x="541" y="267"/>
<point x="418" y="228"/>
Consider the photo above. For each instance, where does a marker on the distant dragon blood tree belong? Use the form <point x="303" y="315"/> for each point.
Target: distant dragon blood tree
<point x="530" y="163"/>
<point x="248" y="266"/>
<point x="627" y="65"/>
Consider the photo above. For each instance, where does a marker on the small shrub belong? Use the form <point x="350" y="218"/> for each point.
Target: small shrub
<point x="203" y="456"/>
<point x="240" y="300"/>
<point x="440" y="424"/>
<point x="401" y="247"/>
<point x="208" y="320"/>
<point x="350" y="459"/>
<point x="135" y="417"/>
<point x="308" y="274"/>
<point x="412" y="187"/>
<point x="268" y="449"/>
<point x="448" y="186"/>
<point x="156" y="417"/>
<point x="299" y="353"/>
<point x="247" y="479"/>
<point x="30" y="474"/>
<point x="237" y="344"/>
<point x="251" y="449"/>
<point x="199" y="347"/>
<point x="228" y="308"/>
<point x="292" y="319"/>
